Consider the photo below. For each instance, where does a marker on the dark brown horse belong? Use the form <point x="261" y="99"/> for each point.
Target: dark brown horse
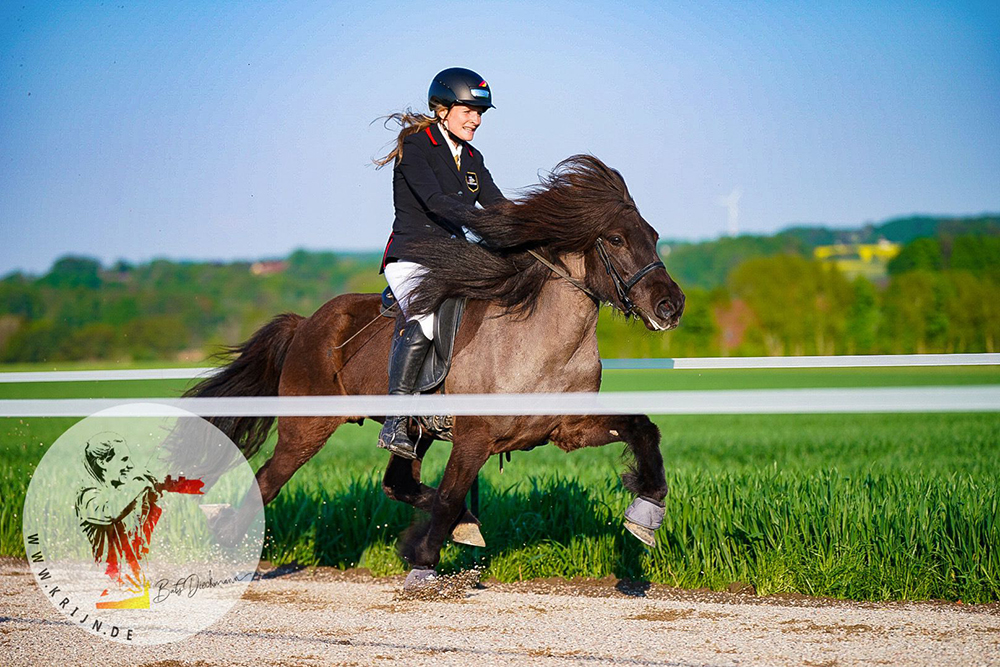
<point x="566" y="245"/>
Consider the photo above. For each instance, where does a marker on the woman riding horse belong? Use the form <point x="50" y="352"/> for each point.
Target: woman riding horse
<point x="437" y="178"/>
<point x="557" y="252"/>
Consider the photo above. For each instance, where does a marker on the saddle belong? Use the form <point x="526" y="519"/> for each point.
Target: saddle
<point x="446" y="322"/>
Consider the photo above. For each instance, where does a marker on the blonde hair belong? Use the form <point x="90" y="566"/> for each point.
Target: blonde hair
<point x="409" y="122"/>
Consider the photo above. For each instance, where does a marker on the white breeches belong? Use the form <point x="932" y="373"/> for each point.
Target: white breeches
<point x="402" y="278"/>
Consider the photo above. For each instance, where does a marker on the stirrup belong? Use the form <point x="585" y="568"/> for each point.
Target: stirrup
<point x="395" y="438"/>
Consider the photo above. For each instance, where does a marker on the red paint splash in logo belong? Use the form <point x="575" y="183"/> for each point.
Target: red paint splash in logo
<point x="131" y="542"/>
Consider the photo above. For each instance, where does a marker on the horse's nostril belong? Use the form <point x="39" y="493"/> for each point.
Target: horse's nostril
<point x="663" y="310"/>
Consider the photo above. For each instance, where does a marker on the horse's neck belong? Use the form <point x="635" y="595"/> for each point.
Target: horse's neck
<point x="553" y="349"/>
<point x="567" y="313"/>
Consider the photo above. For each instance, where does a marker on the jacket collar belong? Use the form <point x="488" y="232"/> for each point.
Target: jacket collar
<point x="438" y="141"/>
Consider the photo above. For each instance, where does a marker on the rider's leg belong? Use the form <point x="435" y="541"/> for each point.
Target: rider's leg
<point x="407" y="357"/>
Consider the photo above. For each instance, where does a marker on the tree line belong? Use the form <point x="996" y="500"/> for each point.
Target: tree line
<point x="941" y="294"/>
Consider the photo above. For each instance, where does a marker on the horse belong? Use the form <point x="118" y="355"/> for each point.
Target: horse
<point x="551" y="258"/>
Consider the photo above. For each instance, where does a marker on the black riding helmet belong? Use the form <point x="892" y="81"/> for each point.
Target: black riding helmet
<point x="456" y="85"/>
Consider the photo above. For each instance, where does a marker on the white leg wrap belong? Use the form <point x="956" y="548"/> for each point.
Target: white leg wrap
<point x="645" y="513"/>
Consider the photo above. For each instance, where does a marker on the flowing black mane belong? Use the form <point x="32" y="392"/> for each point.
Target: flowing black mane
<point x="565" y="213"/>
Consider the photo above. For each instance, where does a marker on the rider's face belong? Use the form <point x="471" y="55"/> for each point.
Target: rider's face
<point x="463" y="120"/>
<point x="117" y="468"/>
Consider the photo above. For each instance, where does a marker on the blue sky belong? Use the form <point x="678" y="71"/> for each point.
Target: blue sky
<point x="242" y="130"/>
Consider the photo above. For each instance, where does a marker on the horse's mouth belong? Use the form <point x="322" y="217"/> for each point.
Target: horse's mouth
<point x="656" y="324"/>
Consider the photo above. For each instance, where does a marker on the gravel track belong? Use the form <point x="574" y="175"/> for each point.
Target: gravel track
<point x="322" y="616"/>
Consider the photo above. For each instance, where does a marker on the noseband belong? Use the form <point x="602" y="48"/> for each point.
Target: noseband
<point x="622" y="286"/>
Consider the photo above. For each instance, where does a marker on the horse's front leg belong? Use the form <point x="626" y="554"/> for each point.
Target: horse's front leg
<point x="645" y="476"/>
<point x="423" y="548"/>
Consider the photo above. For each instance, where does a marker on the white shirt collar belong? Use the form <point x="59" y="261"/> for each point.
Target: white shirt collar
<point x="456" y="150"/>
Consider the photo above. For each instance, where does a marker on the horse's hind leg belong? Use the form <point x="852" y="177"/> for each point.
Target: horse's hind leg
<point x="423" y="549"/>
<point x="299" y="438"/>
<point x="402" y="482"/>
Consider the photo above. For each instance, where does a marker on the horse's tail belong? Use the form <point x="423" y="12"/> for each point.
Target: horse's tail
<point x="254" y="369"/>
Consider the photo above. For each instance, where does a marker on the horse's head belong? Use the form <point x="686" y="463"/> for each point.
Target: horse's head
<point x="623" y="267"/>
<point x="625" y="270"/>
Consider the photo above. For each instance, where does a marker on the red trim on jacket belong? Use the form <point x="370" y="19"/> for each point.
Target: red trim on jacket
<point x="431" y="135"/>
<point x="385" y="254"/>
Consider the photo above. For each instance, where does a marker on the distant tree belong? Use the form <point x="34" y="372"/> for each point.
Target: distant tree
<point x="155" y="337"/>
<point x="976" y="254"/>
<point x="19" y="296"/>
<point x="920" y="254"/>
<point x="863" y="318"/>
<point x="706" y="265"/>
<point x="40" y="340"/>
<point x="74" y="272"/>
<point x="913" y="315"/>
<point x="904" y="230"/>
<point x="93" y="341"/>
<point x="800" y="304"/>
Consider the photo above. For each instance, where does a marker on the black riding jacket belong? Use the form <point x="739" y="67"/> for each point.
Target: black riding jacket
<point x="431" y="195"/>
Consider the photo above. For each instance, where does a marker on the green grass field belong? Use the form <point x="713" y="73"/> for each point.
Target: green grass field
<point x="869" y="507"/>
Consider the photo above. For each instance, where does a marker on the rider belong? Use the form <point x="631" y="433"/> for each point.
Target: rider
<point x="437" y="177"/>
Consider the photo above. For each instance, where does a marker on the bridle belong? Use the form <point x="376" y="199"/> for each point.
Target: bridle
<point x="622" y="286"/>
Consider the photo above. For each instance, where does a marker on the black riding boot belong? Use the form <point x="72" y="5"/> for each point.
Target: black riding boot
<point x="404" y="371"/>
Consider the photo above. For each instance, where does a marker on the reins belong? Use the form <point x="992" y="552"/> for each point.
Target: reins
<point x="565" y="276"/>
<point x="622" y="286"/>
<point x="382" y="313"/>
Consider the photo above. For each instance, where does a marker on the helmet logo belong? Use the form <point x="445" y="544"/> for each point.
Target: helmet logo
<point x="479" y="93"/>
<point x="482" y="84"/>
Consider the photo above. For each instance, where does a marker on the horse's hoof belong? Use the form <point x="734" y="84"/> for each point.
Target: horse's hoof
<point x="468" y="533"/>
<point x="212" y="511"/>
<point x="420" y="579"/>
<point x="645" y="535"/>
<point x="221" y="521"/>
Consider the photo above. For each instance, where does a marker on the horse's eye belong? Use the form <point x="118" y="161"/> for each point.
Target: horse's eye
<point x="616" y="241"/>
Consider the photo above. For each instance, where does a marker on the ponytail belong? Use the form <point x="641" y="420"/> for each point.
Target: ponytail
<point x="409" y="122"/>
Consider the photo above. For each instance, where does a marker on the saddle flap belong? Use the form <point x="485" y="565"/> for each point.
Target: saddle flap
<point x="438" y="361"/>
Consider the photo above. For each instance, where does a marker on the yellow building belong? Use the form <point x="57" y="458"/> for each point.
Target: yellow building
<point x="867" y="259"/>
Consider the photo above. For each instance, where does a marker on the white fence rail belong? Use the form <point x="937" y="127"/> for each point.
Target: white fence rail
<point x="756" y="401"/>
<point x="687" y="363"/>
<point x="753" y="401"/>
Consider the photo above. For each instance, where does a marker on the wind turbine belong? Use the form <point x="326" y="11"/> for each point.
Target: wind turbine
<point x="732" y="203"/>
